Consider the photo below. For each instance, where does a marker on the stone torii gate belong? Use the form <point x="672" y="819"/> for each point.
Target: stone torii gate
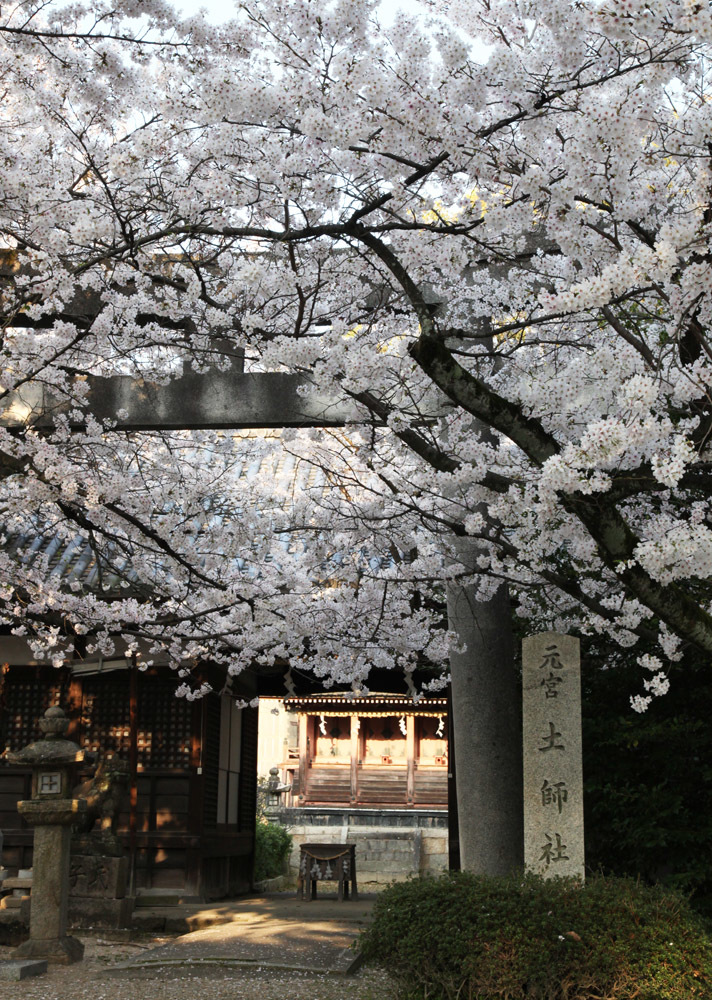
<point x="485" y="689"/>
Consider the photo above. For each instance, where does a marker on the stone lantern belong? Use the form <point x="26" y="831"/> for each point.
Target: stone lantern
<point x="52" y="811"/>
<point x="275" y="789"/>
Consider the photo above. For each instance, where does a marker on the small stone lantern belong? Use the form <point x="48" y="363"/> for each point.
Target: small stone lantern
<point x="275" y="788"/>
<point x="52" y="812"/>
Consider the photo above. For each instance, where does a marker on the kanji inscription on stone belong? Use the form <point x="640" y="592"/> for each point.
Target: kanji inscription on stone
<point x="553" y="780"/>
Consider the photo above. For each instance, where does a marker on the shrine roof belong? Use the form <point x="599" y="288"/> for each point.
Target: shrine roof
<point x="378" y="703"/>
<point x="70" y="558"/>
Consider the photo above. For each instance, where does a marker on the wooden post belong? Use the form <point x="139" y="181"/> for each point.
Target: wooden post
<point x="133" y="769"/>
<point x="354" y="758"/>
<point x="410" y="754"/>
<point x="193" y="867"/>
<point x="303" y="755"/>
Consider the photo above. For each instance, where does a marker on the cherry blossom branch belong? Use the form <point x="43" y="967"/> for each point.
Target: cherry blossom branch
<point x="616" y="542"/>
<point x="87" y="36"/>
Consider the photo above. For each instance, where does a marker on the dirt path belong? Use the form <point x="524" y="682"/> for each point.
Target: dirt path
<point x="91" y="980"/>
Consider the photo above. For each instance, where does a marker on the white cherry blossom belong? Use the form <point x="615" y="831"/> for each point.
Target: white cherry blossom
<point x="489" y="229"/>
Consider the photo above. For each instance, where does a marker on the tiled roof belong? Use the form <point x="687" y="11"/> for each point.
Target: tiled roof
<point x="71" y="558"/>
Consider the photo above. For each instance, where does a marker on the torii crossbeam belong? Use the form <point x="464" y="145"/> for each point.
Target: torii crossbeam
<point x="217" y="400"/>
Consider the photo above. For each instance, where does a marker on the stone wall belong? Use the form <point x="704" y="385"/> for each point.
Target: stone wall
<point x="390" y="844"/>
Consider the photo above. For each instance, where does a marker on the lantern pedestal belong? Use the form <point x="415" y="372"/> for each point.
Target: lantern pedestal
<point x="50" y="883"/>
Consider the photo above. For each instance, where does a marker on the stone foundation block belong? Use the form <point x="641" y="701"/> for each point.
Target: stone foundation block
<point x="13" y="930"/>
<point x="148" y="920"/>
<point x="98" y="875"/>
<point x="17" y="883"/>
<point x="91" y="911"/>
<point x="15" y="970"/>
<point x="59" y="951"/>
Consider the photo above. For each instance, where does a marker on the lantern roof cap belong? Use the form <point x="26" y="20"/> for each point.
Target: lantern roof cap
<point x="53" y="749"/>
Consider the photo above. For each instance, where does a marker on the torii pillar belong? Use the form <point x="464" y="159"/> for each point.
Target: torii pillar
<point x="487" y="732"/>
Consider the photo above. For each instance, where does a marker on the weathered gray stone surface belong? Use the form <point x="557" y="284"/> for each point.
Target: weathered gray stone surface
<point x="49" y="894"/>
<point x="487" y="733"/>
<point x="51" y="814"/>
<point x="85" y="911"/>
<point x="397" y="853"/>
<point x="553" y="782"/>
<point x="98" y="875"/>
<point x="192" y="401"/>
<point x="13" y="927"/>
<point x="93" y="911"/>
<point x="16" y="969"/>
<point x="60" y="951"/>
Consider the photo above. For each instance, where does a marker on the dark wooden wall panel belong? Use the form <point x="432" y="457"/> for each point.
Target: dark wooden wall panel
<point x="248" y="771"/>
<point x="175" y="801"/>
<point x="211" y="762"/>
<point x="164" y="721"/>
<point x="27" y="693"/>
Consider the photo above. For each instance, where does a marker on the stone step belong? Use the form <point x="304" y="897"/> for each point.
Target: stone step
<point x="16" y="970"/>
<point x="17" y="883"/>
<point x="11" y="902"/>
<point x="164" y="897"/>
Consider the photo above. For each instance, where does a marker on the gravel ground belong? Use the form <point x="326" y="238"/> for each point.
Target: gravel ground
<point x="87" y="980"/>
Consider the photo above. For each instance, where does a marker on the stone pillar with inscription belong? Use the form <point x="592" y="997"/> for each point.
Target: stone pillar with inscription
<point x="553" y="778"/>
<point x="52" y="812"/>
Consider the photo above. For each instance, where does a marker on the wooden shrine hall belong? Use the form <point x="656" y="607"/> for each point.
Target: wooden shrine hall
<point x="377" y="751"/>
<point x="189" y="818"/>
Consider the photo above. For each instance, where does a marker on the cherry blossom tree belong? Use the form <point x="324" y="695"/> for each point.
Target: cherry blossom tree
<point x="487" y="229"/>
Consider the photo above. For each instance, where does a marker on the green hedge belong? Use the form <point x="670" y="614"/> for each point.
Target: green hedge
<point x="272" y="846"/>
<point x="466" y="937"/>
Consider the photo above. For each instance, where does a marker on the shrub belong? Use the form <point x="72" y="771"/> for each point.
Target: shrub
<point x="467" y="937"/>
<point x="272" y="845"/>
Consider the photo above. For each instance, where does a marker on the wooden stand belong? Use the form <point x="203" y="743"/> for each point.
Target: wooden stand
<point x="327" y="863"/>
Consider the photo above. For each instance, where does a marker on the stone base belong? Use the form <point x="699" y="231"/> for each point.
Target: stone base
<point x="98" y="875"/>
<point x="14" y="971"/>
<point x="60" y="951"/>
<point x="17" y="884"/>
<point x="89" y="911"/>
